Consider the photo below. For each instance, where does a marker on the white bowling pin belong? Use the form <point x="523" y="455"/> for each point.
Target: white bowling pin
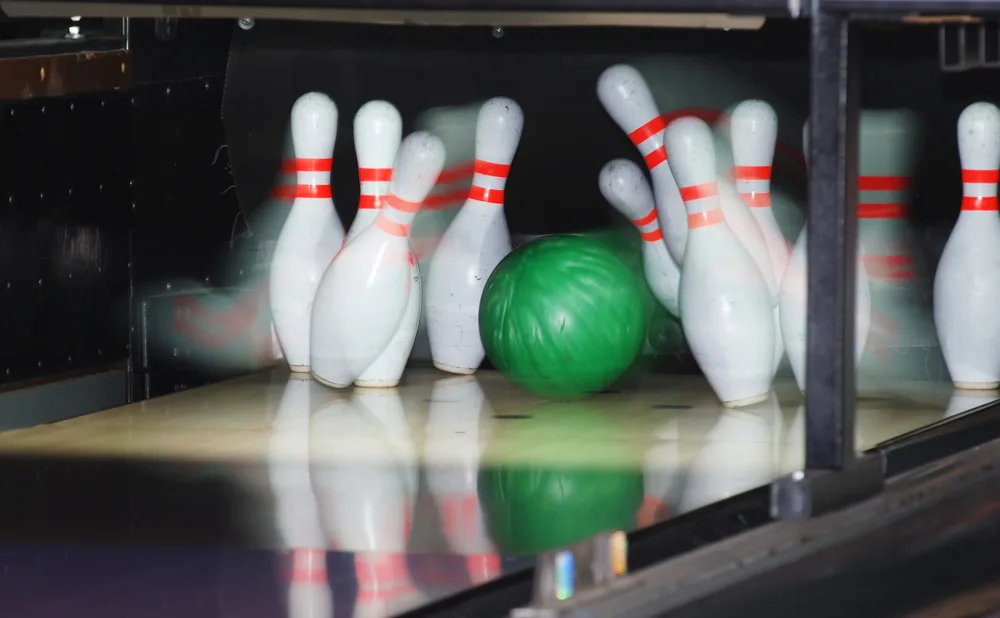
<point x="378" y="130"/>
<point x="754" y="132"/>
<point x="458" y="424"/>
<point x="967" y="283"/>
<point x="793" y="299"/>
<point x="364" y="295"/>
<point x="626" y="97"/>
<point x="474" y="244"/>
<point x="726" y="309"/>
<point x="624" y="187"/>
<point x="312" y="234"/>
<point x="753" y="129"/>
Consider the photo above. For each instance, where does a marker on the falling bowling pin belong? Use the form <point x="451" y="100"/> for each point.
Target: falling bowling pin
<point x="793" y="301"/>
<point x="473" y="245"/>
<point x="726" y="308"/>
<point x="312" y="234"/>
<point x="364" y="295"/>
<point x="624" y="187"/>
<point x="378" y="129"/>
<point x="967" y="283"/>
<point x="626" y="97"/>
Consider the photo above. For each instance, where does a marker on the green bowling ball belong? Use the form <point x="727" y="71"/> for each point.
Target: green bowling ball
<point x="552" y="501"/>
<point x="562" y="317"/>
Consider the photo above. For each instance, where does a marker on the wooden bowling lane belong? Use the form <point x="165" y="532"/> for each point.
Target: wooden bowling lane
<point x="287" y="450"/>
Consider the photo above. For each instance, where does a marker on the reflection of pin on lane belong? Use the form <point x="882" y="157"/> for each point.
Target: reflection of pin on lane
<point x="386" y="406"/>
<point x="362" y="491"/>
<point x="474" y="244"/>
<point x="312" y="234"/>
<point x="967" y="285"/>
<point x="297" y="511"/>
<point x="726" y="308"/>
<point x="457" y="425"/>
<point x="366" y="291"/>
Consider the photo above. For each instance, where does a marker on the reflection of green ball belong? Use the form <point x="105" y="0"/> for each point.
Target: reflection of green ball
<point x="533" y="506"/>
<point x="562" y="317"/>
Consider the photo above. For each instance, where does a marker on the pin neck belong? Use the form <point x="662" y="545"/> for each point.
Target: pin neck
<point x="649" y="227"/>
<point x="883" y="197"/>
<point x="979" y="189"/>
<point x="702" y="202"/>
<point x="374" y="186"/>
<point x="313" y="178"/>
<point x="753" y="182"/>
<point x="649" y="140"/>
<point x="488" y="182"/>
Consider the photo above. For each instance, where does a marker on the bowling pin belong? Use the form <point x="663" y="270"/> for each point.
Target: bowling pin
<point x="626" y="97"/>
<point x="474" y="244"/>
<point x="378" y="129"/>
<point x="624" y="187"/>
<point x="726" y="309"/>
<point x="363" y="297"/>
<point x="753" y="129"/>
<point x="312" y="234"/>
<point x="967" y="284"/>
<point x="793" y="299"/>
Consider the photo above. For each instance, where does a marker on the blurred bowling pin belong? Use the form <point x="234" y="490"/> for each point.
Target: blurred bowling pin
<point x="362" y="494"/>
<point x="312" y="234"/>
<point x="794" y="297"/>
<point x="297" y="512"/>
<point x="967" y="284"/>
<point x="626" y="97"/>
<point x="458" y="423"/>
<point x="474" y="244"/>
<point x="456" y="126"/>
<point x="726" y="309"/>
<point x="365" y="293"/>
<point x="378" y="129"/>
<point x="624" y="187"/>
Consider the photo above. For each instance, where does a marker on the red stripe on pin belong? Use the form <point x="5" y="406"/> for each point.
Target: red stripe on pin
<point x="374" y="174"/>
<point x="752" y="172"/>
<point x="498" y="170"/>
<point x="980" y="176"/>
<point x="970" y="202"/>
<point x="313" y="191"/>
<point x="646" y="219"/>
<point x="648" y="130"/>
<point x="697" y="192"/>
<point x="705" y="219"/>
<point x="288" y="166"/>
<point x="400" y="204"/>
<point x="757" y="199"/>
<point x="284" y="192"/>
<point x="655" y="158"/>
<point x="883" y="183"/>
<point x="455" y="173"/>
<point x="446" y="200"/>
<point x="882" y="211"/>
<point x="391" y="227"/>
<point x="313" y="165"/>
<point x="652" y="235"/>
<point x="483" y="194"/>
<point x="369" y="202"/>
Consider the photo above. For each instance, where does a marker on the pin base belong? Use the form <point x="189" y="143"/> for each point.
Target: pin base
<point x="977" y="386"/>
<point x="327" y="382"/>
<point x="299" y="368"/>
<point x="376" y="383"/>
<point x="465" y="371"/>
<point x="748" y="401"/>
